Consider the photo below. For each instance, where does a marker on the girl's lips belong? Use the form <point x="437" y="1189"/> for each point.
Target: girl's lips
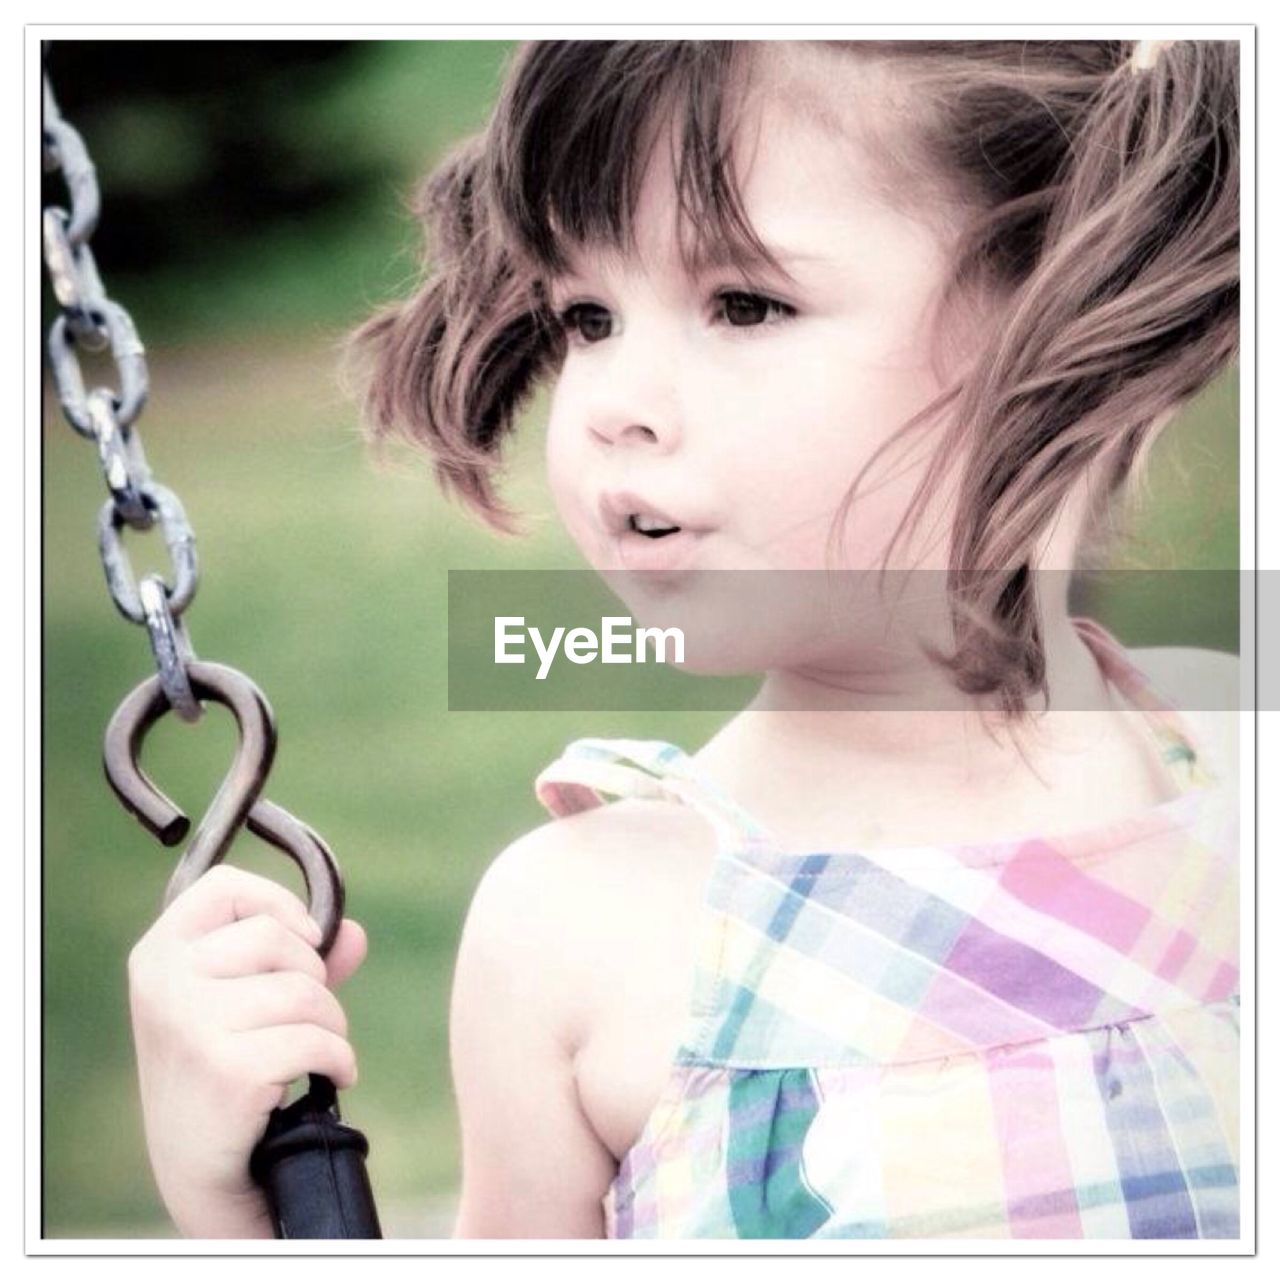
<point x="672" y="551"/>
<point x="617" y="508"/>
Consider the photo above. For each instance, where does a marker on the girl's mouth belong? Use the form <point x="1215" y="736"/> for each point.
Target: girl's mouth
<point x="646" y="536"/>
<point x="651" y="526"/>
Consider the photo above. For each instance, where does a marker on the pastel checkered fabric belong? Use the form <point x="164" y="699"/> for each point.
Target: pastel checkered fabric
<point x="1035" y="1038"/>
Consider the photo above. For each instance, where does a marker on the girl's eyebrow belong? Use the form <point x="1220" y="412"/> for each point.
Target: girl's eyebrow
<point x="717" y="256"/>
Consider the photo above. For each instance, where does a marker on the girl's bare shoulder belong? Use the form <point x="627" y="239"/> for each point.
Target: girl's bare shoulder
<point x="584" y="869"/>
<point x="590" y="892"/>
<point x="604" y="843"/>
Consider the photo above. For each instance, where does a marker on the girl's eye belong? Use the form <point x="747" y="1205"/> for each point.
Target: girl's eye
<point x="588" y="320"/>
<point x="742" y="310"/>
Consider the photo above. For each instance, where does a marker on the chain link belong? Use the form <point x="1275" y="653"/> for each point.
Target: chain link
<point x="163" y="506"/>
<point x="76" y="283"/>
<point x="126" y="353"/>
<point x="92" y="321"/>
<point x="169" y="646"/>
<point x="124" y="467"/>
<point x="64" y="149"/>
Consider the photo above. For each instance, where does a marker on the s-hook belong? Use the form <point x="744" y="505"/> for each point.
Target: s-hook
<point x="237" y="802"/>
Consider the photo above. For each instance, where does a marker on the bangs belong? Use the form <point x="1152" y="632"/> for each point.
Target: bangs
<point x="578" y="125"/>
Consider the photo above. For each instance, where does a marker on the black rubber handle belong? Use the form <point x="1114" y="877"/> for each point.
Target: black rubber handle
<point x="312" y="1168"/>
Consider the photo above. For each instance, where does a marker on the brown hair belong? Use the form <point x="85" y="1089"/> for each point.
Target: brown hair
<point x="1102" y="197"/>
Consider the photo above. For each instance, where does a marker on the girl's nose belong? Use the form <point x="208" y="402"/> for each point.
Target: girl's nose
<point x="612" y="430"/>
<point x="636" y="405"/>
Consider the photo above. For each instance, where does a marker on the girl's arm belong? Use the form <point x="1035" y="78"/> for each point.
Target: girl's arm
<point x="532" y="1166"/>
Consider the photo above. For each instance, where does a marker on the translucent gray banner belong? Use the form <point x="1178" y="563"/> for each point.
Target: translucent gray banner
<point x="559" y="640"/>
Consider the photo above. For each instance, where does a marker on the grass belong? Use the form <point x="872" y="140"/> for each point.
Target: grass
<point x="324" y="579"/>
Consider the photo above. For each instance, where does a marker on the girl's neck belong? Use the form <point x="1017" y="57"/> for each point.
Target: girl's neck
<point x="885" y="773"/>
<point x="914" y="713"/>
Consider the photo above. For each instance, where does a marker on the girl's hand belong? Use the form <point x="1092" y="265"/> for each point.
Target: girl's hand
<point x="230" y="1003"/>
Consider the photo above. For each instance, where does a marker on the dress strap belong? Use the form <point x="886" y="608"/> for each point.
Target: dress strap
<point x="589" y="769"/>
<point x="1182" y="748"/>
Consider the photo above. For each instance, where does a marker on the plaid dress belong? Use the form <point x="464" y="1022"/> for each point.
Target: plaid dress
<point x="1030" y="1038"/>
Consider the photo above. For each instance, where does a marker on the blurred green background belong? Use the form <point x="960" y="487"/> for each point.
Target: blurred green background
<point x="254" y="211"/>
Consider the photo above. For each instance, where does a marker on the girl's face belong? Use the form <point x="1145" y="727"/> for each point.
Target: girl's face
<point x="741" y="410"/>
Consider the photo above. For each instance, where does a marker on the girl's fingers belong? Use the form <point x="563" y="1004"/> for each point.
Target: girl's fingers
<point x="262" y="1000"/>
<point x="280" y="1055"/>
<point x="347" y="953"/>
<point x="225" y="894"/>
<point x="256" y="944"/>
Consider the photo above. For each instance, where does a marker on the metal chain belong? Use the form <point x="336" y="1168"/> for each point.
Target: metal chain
<point x="91" y="321"/>
<point x="332" y="1199"/>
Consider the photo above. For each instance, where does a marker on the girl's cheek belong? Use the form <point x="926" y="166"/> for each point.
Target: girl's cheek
<point x="565" y="450"/>
<point x="560" y="468"/>
<point x="799" y="458"/>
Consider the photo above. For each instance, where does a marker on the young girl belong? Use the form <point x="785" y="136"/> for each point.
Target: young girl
<point x="916" y="945"/>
